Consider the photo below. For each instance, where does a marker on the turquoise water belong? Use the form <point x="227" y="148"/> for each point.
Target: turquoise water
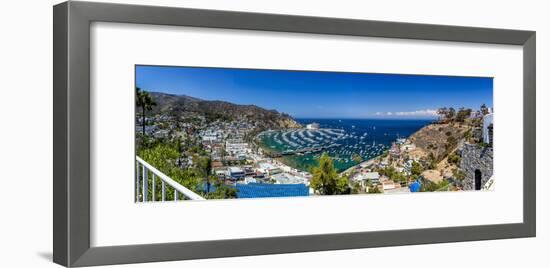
<point x="342" y="139"/>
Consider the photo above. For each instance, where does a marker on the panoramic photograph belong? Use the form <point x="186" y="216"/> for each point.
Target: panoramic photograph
<point x="228" y="133"/>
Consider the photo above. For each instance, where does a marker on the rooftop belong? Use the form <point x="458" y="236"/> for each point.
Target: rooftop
<point x="255" y="190"/>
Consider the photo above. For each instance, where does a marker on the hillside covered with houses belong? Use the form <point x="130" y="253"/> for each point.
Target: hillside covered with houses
<point x="211" y="147"/>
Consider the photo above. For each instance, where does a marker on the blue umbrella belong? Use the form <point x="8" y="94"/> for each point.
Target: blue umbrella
<point x="415" y="186"/>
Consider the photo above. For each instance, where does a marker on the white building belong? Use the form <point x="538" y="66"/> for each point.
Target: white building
<point x="250" y="180"/>
<point x="286" y="178"/>
<point x="388" y="185"/>
<point x="209" y="138"/>
<point x="374" y="177"/>
<point x="408" y="147"/>
<point x="488" y="128"/>
<point x="236" y="172"/>
<point x="401" y="141"/>
<point x="237" y="148"/>
<point x="269" y="169"/>
<point x="312" y="126"/>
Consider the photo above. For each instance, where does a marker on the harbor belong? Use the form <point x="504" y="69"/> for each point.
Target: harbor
<point x="347" y="142"/>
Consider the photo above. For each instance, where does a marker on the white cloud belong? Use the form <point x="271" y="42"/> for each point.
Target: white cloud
<point x="426" y="112"/>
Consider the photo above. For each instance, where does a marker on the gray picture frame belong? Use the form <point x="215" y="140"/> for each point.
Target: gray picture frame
<point x="71" y="117"/>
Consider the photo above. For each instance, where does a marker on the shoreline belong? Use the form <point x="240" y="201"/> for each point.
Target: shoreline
<point x="366" y="163"/>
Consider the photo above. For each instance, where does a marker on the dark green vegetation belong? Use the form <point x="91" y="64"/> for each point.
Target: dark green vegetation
<point x="394" y="175"/>
<point x="164" y="157"/>
<point x="450" y="114"/>
<point x="167" y="157"/>
<point x="416" y="168"/>
<point x="326" y="181"/>
<point x="429" y="186"/>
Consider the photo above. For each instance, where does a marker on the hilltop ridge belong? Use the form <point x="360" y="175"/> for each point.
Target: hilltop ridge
<point x="214" y="109"/>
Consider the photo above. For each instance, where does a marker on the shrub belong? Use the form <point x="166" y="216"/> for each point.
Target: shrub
<point x="454" y="158"/>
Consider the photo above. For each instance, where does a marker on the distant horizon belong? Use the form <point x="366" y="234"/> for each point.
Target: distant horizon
<point x="322" y="95"/>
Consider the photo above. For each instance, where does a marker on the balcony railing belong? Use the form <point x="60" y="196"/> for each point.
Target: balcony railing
<point x="144" y="170"/>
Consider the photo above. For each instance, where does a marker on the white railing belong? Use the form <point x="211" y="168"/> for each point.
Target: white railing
<point x="143" y="170"/>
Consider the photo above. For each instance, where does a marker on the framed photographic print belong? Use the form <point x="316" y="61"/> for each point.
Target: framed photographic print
<point x="184" y="133"/>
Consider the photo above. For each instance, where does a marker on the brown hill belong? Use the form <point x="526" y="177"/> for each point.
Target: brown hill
<point x="180" y="104"/>
<point x="439" y="139"/>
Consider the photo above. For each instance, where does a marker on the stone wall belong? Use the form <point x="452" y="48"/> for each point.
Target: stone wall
<point x="476" y="157"/>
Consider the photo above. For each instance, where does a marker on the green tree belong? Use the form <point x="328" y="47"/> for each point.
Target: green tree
<point x="209" y="180"/>
<point x="145" y="102"/>
<point x="446" y="113"/>
<point x="451" y="114"/>
<point x="442" y="112"/>
<point x="203" y="164"/>
<point x="373" y="190"/>
<point x="462" y="114"/>
<point x="356" y="187"/>
<point x="342" y="185"/>
<point x="325" y="180"/>
<point x="454" y="158"/>
<point x="357" y="158"/>
<point x="429" y="186"/>
<point x="399" y="178"/>
<point x="222" y="191"/>
<point x="416" y="168"/>
<point x="179" y="149"/>
<point x="163" y="157"/>
<point x="459" y="174"/>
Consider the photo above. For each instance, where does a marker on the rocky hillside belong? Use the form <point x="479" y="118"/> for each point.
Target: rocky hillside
<point x="437" y="144"/>
<point x="439" y="139"/>
<point x="180" y="104"/>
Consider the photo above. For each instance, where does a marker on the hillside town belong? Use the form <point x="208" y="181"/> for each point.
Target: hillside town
<point x="225" y="153"/>
<point x="233" y="155"/>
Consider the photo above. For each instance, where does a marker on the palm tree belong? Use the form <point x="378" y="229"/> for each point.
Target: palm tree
<point x="146" y="102"/>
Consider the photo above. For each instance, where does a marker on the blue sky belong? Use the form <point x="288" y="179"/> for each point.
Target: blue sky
<point x="305" y="94"/>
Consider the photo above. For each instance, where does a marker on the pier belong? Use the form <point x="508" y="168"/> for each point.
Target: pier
<point x="315" y="149"/>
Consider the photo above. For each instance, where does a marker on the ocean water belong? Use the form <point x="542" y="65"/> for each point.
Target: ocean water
<point x="342" y="139"/>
